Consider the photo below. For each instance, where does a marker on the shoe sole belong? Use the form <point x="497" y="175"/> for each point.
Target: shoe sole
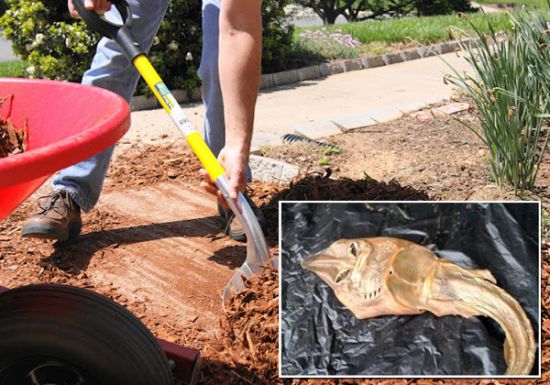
<point x="42" y="232"/>
<point x="239" y="237"/>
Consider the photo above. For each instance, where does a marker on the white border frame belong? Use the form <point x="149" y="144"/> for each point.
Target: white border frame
<point x="410" y="376"/>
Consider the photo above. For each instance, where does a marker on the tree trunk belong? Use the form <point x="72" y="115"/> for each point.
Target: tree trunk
<point x="330" y="17"/>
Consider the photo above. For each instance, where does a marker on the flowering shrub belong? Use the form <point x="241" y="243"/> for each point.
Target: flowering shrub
<point x="58" y="47"/>
<point x="50" y="44"/>
<point x="329" y="45"/>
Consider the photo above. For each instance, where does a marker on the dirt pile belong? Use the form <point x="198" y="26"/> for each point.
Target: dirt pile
<point x="247" y="350"/>
<point x="317" y="186"/>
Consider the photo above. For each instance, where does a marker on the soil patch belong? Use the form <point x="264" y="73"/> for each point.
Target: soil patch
<point x="440" y="157"/>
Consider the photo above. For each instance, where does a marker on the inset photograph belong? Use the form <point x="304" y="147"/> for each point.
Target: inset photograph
<point x="412" y="289"/>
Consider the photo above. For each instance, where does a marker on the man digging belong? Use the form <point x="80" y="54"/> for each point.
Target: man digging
<point x="230" y="73"/>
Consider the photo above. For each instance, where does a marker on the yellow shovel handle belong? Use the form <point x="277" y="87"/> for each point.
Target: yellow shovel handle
<point x="169" y="103"/>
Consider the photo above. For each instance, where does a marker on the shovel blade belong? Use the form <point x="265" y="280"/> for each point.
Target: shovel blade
<point x="257" y="253"/>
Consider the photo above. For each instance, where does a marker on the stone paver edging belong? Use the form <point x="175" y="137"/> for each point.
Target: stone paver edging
<point x="266" y="169"/>
<point x="318" y="71"/>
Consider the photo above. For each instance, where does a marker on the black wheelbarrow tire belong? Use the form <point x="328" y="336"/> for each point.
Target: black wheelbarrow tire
<point x="89" y="333"/>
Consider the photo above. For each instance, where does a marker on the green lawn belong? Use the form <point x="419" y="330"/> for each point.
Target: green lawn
<point x="13" y="69"/>
<point x="530" y="3"/>
<point x="423" y="30"/>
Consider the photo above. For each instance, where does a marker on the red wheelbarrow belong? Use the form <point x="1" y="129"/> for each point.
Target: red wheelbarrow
<point x="54" y="334"/>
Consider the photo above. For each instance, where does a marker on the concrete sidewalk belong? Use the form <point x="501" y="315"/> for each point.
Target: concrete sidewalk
<point x="326" y="106"/>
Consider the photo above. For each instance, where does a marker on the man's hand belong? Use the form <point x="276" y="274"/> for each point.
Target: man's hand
<point x="235" y="163"/>
<point x="99" y="6"/>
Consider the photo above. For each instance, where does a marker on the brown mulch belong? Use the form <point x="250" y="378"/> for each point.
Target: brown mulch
<point x="142" y="165"/>
<point x="247" y="350"/>
<point x="318" y="186"/>
<point x="147" y="165"/>
<point x="12" y="140"/>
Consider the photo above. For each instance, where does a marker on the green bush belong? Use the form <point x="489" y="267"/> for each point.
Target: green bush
<point x="277" y="36"/>
<point x="176" y="50"/>
<point x="58" y="47"/>
<point x="329" y="10"/>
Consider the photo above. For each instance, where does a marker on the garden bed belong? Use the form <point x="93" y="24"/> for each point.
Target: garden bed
<point x="404" y="159"/>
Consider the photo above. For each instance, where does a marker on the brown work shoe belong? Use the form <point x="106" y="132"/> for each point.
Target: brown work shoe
<point x="233" y="227"/>
<point x="59" y="218"/>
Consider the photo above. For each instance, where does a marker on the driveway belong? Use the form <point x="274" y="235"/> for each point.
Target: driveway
<point x="6" y="53"/>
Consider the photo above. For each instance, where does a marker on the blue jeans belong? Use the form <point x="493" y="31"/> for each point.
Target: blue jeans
<point x="113" y="71"/>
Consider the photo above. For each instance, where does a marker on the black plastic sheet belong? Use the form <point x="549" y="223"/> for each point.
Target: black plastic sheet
<point x="320" y="336"/>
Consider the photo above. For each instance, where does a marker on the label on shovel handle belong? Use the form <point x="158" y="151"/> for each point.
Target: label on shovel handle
<point x="166" y="95"/>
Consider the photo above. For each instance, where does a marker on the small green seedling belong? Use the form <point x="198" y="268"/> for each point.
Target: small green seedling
<point x="325" y="161"/>
<point x="367" y="176"/>
<point x="332" y="150"/>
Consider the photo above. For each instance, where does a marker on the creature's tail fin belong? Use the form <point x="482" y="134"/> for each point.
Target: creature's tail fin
<point x="455" y="290"/>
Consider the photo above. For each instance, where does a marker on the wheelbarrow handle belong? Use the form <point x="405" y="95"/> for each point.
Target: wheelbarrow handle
<point x="122" y="34"/>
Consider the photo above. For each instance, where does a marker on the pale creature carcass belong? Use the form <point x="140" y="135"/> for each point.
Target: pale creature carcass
<point x="390" y="276"/>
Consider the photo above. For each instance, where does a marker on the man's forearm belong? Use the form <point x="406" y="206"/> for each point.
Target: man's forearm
<point x="240" y="66"/>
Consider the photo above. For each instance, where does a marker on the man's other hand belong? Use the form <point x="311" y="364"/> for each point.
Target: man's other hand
<point x="99" y="6"/>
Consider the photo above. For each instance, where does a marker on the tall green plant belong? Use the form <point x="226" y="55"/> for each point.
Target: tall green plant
<point x="510" y="88"/>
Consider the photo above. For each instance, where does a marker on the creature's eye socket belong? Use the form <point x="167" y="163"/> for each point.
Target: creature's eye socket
<point x="341" y="275"/>
<point x="354" y="249"/>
